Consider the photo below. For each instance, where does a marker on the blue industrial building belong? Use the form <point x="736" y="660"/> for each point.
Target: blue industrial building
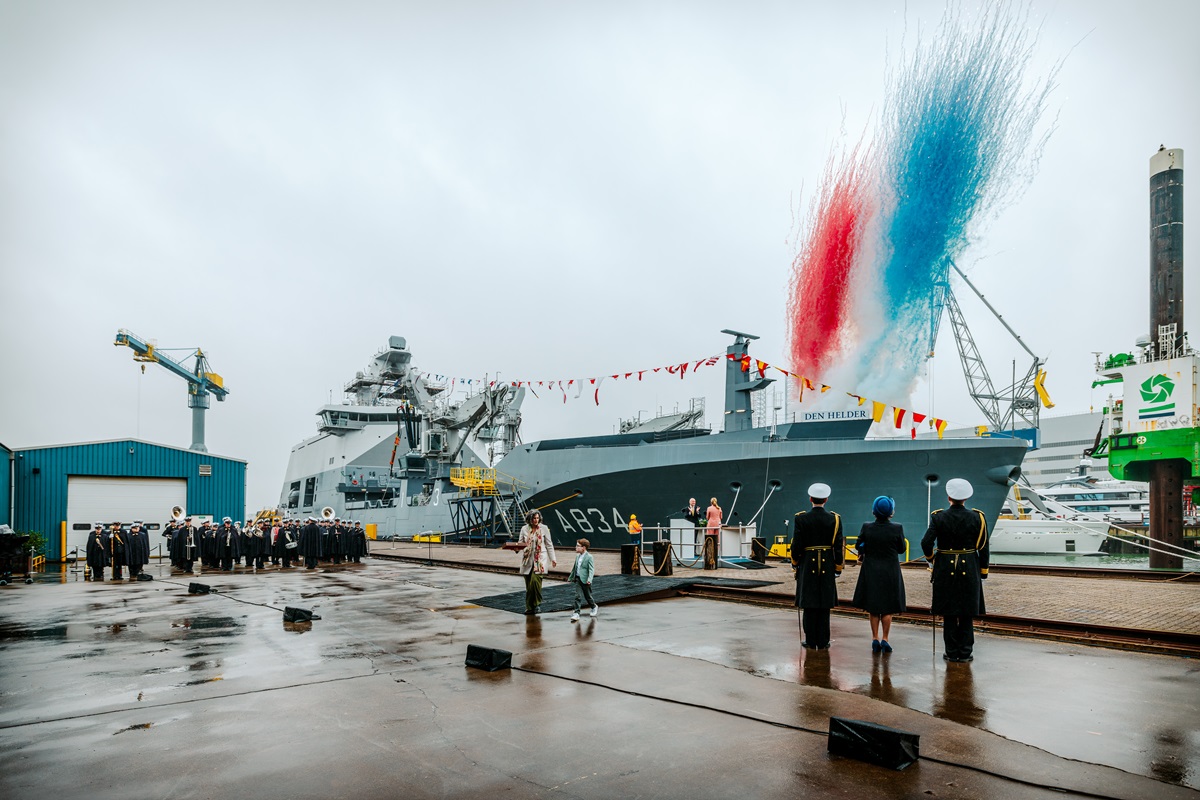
<point x="61" y="490"/>
<point x="5" y="485"/>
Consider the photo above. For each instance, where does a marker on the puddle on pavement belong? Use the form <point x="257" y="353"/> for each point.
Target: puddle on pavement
<point x="144" y="726"/>
<point x="48" y="632"/>
<point x="217" y="627"/>
<point x="199" y="681"/>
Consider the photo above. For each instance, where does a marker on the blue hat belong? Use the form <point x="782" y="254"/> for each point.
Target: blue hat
<point x="883" y="506"/>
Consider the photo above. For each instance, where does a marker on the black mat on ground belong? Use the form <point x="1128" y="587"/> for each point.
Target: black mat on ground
<point x="607" y="589"/>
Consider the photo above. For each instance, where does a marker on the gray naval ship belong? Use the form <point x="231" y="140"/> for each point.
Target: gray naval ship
<point x="400" y="455"/>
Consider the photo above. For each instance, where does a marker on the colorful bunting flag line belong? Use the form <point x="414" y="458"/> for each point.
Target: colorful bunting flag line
<point x="804" y="383"/>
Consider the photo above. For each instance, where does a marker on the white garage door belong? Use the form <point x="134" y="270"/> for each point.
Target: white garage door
<point x="119" y="499"/>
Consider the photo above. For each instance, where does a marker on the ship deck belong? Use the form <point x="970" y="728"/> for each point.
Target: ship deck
<point x="144" y="690"/>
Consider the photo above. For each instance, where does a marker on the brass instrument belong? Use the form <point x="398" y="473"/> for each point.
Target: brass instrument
<point x="189" y="546"/>
<point x="327" y="513"/>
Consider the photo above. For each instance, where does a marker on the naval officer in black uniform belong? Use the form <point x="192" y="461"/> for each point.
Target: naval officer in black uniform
<point x="817" y="555"/>
<point x="956" y="544"/>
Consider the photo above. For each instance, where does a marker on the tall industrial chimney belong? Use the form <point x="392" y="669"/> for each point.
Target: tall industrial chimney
<point x="1166" y="252"/>
<point x="1166" y="332"/>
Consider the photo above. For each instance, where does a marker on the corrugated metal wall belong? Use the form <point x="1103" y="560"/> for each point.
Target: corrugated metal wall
<point x="5" y="486"/>
<point x="40" y="480"/>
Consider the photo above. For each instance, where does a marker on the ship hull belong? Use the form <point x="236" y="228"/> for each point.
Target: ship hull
<point x="590" y="493"/>
<point x="1049" y="537"/>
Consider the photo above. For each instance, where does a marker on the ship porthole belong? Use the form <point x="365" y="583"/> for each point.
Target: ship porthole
<point x="578" y="493"/>
<point x="775" y="486"/>
<point x="735" y="486"/>
<point x="932" y="480"/>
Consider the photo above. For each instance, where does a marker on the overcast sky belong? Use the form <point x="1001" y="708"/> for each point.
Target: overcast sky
<point x="541" y="189"/>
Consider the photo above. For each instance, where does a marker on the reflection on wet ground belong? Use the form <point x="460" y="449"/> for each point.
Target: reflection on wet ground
<point x="17" y="632"/>
<point x="957" y="701"/>
<point x="158" y="646"/>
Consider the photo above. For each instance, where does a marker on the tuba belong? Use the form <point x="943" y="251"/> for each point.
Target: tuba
<point x="327" y="512"/>
<point x="177" y="513"/>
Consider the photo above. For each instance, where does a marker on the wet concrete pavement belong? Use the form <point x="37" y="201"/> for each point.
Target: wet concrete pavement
<point x="1156" y="602"/>
<point x="140" y="690"/>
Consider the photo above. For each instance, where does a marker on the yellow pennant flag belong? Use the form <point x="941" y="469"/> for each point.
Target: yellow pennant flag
<point x="877" y="410"/>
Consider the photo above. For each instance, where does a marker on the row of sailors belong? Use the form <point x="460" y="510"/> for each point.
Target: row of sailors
<point x="280" y="543"/>
<point x="116" y="548"/>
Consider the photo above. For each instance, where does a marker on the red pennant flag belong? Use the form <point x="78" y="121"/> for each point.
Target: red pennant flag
<point x="762" y="367"/>
<point x="641" y="372"/>
<point x="745" y="363"/>
<point x="898" y="413"/>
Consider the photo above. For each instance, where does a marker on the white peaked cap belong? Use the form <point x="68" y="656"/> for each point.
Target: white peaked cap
<point x="819" y="491"/>
<point x="959" y="489"/>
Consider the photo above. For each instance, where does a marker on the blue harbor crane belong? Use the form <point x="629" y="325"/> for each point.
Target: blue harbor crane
<point x="201" y="382"/>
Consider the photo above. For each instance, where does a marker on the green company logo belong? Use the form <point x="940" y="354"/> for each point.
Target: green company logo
<point x="1156" y="391"/>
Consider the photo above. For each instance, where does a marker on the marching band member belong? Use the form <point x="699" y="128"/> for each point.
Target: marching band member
<point x="137" y="554"/>
<point x="97" y="551"/>
<point x="118" y="550"/>
<point x="228" y="544"/>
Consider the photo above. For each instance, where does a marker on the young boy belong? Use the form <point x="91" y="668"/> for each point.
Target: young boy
<point x="581" y="575"/>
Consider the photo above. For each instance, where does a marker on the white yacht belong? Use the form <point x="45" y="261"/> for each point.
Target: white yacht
<point x="1033" y="523"/>
<point x="1120" y="502"/>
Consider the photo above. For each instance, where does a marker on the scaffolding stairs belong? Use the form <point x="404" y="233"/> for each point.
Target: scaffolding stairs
<point x="492" y="510"/>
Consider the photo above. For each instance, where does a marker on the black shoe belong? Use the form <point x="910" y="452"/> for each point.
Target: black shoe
<point x="537" y="609"/>
<point x="808" y="646"/>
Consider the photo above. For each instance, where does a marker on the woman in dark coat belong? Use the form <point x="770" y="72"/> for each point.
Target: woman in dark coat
<point x="880" y="589"/>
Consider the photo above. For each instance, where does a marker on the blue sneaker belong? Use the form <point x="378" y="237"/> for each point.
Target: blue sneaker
<point x="885" y="647"/>
<point x="875" y="646"/>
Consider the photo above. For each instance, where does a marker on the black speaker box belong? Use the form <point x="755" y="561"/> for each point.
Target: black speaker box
<point x="199" y="588"/>
<point x="875" y="744"/>
<point x="488" y="658"/>
<point x="298" y="615"/>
